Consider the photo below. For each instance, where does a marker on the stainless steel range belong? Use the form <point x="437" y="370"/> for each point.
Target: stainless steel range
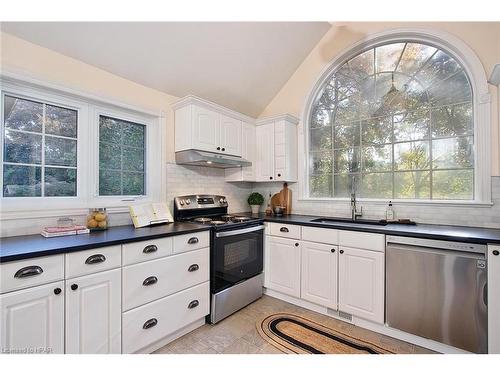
<point x="236" y="252"/>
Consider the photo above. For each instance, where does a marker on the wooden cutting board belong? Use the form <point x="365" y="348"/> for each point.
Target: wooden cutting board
<point x="283" y="198"/>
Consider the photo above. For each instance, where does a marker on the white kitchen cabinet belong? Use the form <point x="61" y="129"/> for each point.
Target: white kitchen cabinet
<point x="282" y="272"/>
<point x="264" y="161"/>
<point x="494" y="299"/>
<point x="247" y="153"/>
<point x="202" y="125"/>
<point x="277" y="149"/>
<point x="319" y="274"/>
<point x="33" y="320"/>
<point x="93" y="313"/>
<point x="361" y="283"/>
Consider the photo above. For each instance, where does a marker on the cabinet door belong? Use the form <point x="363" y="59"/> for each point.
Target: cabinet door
<point x="33" y="320"/>
<point x="283" y="266"/>
<point x="494" y="299"/>
<point x="319" y="274"/>
<point x="93" y="313"/>
<point x="230" y="135"/>
<point x="361" y="283"/>
<point x="265" y="152"/>
<point x="206" y="129"/>
<point x="248" y="151"/>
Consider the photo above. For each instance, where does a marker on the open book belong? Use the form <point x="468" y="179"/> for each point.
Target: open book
<point x="149" y="214"/>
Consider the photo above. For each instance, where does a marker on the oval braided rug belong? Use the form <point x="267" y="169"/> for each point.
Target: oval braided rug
<point x="294" y="334"/>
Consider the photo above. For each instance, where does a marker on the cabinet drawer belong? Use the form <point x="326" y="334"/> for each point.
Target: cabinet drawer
<point x="322" y="235"/>
<point x="191" y="241"/>
<point x="30" y="272"/>
<point x="285" y="230"/>
<point x="148" y="281"/>
<point x="147" y="324"/>
<point x="146" y="250"/>
<point x="361" y="240"/>
<point x="93" y="260"/>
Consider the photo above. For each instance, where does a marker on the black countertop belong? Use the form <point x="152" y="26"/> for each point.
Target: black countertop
<point x="22" y="247"/>
<point x="437" y="232"/>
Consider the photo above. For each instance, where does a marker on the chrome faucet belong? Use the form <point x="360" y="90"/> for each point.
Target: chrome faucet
<point x="355" y="213"/>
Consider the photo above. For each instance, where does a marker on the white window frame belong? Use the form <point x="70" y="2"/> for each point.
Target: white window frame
<point x="481" y="110"/>
<point x="88" y="107"/>
<point x="151" y="158"/>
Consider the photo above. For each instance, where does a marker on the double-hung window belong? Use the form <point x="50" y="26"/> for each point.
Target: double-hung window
<point x="61" y="151"/>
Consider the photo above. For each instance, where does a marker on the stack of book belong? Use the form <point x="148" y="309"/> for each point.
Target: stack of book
<point x="64" y="231"/>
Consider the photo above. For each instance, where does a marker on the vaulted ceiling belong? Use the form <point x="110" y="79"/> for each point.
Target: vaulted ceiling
<point x="239" y="65"/>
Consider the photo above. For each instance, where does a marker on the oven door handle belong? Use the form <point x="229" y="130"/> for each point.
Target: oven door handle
<point x="239" y="231"/>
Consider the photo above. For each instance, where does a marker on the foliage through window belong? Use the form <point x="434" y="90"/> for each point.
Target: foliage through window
<point x="39" y="149"/>
<point x="397" y="119"/>
<point x="121" y="157"/>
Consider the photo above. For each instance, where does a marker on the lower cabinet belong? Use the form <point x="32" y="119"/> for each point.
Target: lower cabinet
<point x="93" y="313"/>
<point x="145" y="325"/>
<point x="282" y="265"/>
<point x="33" y="320"/>
<point x="361" y="283"/>
<point x="494" y="299"/>
<point x="319" y="274"/>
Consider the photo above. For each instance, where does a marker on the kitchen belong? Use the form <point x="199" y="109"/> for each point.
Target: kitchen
<point x="348" y="203"/>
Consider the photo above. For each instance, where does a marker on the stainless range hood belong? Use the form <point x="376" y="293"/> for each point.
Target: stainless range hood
<point x="209" y="159"/>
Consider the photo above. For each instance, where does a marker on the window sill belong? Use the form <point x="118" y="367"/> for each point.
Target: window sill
<point x="384" y="202"/>
<point x="40" y="214"/>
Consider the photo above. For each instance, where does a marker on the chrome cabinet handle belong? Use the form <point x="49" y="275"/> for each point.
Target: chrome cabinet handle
<point x="193" y="267"/>
<point x="150" y="249"/>
<point x="28" y="272"/>
<point x="193" y="240"/>
<point x="150" y="323"/>
<point x="193" y="304"/>
<point x="97" y="258"/>
<point x="150" y="280"/>
<point x="284" y="230"/>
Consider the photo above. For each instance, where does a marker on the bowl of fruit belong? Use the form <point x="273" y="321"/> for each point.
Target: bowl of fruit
<point x="97" y="219"/>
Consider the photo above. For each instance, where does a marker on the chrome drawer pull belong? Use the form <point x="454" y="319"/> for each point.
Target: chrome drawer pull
<point x="284" y="230"/>
<point x="150" y="323"/>
<point x="28" y="272"/>
<point x="193" y="304"/>
<point x="193" y="267"/>
<point x="193" y="240"/>
<point x="150" y="249"/>
<point x="93" y="259"/>
<point x="150" y="280"/>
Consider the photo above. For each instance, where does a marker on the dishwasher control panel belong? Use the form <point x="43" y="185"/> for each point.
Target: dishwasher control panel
<point x="438" y="244"/>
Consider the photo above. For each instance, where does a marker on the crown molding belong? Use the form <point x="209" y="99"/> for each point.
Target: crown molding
<point x="495" y="75"/>
<point x="284" y="117"/>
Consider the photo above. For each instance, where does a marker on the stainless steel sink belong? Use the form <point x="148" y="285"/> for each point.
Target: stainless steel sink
<point x="343" y="220"/>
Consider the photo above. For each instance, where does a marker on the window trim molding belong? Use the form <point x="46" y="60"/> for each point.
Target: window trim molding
<point x="23" y="85"/>
<point x="481" y="105"/>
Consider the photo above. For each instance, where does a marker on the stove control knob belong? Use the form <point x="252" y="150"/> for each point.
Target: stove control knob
<point x="221" y="201"/>
<point x="224" y="201"/>
<point x="188" y="201"/>
<point x="181" y="202"/>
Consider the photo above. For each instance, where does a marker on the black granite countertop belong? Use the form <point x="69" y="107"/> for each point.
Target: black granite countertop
<point x="437" y="232"/>
<point x="22" y="247"/>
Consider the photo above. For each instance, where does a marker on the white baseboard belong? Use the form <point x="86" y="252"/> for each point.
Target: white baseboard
<point x="167" y="339"/>
<point x="379" y="328"/>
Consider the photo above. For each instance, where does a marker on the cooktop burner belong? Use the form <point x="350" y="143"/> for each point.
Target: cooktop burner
<point x="241" y="219"/>
<point x="203" y="220"/>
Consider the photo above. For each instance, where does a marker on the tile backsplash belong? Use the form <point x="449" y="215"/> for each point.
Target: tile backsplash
<point x="183" y="180"/>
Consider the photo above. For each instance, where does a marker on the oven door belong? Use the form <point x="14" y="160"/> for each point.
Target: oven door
<point x="237" y="255"/>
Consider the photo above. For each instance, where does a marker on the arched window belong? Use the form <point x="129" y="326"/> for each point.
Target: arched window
<point x="397" y="122"/>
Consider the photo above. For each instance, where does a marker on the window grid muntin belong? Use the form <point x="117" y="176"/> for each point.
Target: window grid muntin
<point x="42" y="133"/>
<point x="428" y="108"/>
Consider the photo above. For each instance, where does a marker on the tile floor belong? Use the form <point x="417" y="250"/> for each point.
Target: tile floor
<point x="237" y="334"/>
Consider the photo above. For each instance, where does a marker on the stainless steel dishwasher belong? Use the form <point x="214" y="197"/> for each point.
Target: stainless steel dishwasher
<point x="437" y="289"/>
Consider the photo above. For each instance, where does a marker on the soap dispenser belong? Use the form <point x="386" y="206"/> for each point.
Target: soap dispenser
<point x="389" y="213"/>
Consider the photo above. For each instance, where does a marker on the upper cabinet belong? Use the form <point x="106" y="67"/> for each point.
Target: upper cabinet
<point x="276" y="157"/>
<point x="205" y="126"/>
<point x="248" y="152"/>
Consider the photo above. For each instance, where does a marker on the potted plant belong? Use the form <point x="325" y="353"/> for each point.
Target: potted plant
<point x="255" y="200"/>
